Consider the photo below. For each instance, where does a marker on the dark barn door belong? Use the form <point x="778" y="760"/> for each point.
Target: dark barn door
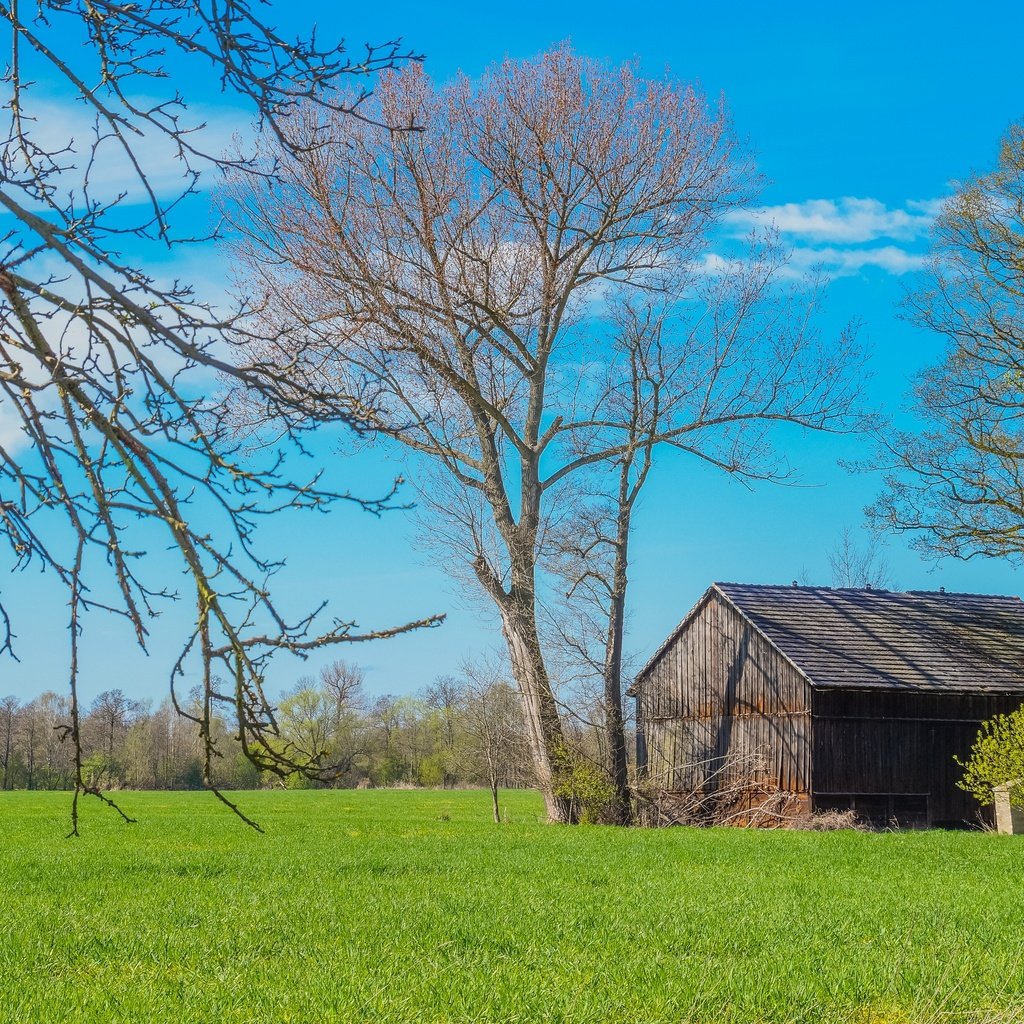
<point x="890" y="755"/>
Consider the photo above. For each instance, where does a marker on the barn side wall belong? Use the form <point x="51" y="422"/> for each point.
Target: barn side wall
<point x="889" y="754"/>
<point x="721" y="703"/>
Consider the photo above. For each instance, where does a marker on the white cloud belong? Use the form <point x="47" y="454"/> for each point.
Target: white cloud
<point x="839" y="236"/>
<point x="929" y="207"/>
<point x="713" y="264"/>
<point x="848" y="220"/>
<point x="838" y="262"/>
<point x="66" y="126"/>
<point x="833" y="261"/>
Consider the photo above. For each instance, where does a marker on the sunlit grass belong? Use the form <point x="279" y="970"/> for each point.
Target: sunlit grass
<point x="413" y="906"/>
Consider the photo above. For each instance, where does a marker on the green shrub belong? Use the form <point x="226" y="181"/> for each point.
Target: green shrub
<point x="996" y="757"/>
<point x="432" y="770"/>
<point x="586" y="786"/>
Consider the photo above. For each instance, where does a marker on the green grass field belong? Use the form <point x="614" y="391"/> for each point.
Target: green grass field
<point x="413" y="906"/>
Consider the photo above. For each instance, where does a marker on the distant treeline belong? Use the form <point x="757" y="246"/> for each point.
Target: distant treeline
<point x="456" y="732"/>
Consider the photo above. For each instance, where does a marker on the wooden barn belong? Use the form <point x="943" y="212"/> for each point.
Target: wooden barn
<point x="844" y="698"/>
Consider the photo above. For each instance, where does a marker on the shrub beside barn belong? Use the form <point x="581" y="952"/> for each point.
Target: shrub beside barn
<point x="843" y="698"/>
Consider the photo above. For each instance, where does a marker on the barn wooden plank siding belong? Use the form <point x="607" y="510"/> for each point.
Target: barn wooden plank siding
<point x="844" y="698"/>
<point x="722" y="695"/>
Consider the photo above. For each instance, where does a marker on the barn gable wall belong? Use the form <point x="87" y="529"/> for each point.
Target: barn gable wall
<point x="719" y="700"/>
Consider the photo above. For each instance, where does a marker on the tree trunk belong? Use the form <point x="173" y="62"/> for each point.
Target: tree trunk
<point x="494" y="799"/>
<point x="543" y="725"/>
<point x="9" y="729"/>
<point x="615" y="728"/>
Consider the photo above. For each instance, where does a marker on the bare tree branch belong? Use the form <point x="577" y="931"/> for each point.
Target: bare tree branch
<point x="112" y="379"/>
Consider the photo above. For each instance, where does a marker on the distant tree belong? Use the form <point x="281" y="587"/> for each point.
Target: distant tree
<point x="139" y="769"/>
<point x="8" y="724"/>
<point x="384" y="716"/>
<point x="104" y="730"/>
<point x="56" y="765"/>
<point x="958" y="485"/>
<point x="446" y="701"/>
<point x="316" y="722"/>
<point x="176" y="751"/>
<point x="344" y="683"/>
<point x="859" y="565"/>
<point x="495" y="737"/>
<point x="112" y="712"/>
<point x="454" y="278"/>
<point x="305" y="717"/>
<point x="28" y="739"/>
<point x="43" y="761"/>
<point x="108" y="367"/>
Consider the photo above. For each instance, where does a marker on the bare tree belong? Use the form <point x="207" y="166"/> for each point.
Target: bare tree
<point x="493" y="724"/>
<point x="113" y="712"/>
<point x="711" y="366"/>
<point x="108" y="369"/>
<point x="344" y="681"/>
<point x="457" y="275"/>
<point x="859" y="565"/>
<point x="36" y="748"/>
<point x="958" y="485"/>
<point x="103" y="733"/>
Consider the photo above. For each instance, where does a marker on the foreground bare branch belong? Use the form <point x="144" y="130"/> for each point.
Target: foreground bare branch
<point x="115" y="430"/>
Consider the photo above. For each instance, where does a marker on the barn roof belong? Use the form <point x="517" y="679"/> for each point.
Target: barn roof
<point x="858" y="639"/>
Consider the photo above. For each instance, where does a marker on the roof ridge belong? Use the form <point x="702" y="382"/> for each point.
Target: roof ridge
<point x="865" y="590"/>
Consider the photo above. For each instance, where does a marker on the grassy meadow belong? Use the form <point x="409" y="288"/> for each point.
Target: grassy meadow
<point x="413" y="906"/>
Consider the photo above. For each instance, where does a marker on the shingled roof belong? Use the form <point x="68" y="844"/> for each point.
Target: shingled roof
<point x="880" y="638"/>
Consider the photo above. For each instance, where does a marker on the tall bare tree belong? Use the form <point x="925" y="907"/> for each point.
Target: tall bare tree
<point x="111" y="715"/>
<point x="455" y="278"/>
<point x="711" y="366"/>
<point x="111" y="424"/>
<point x="344" y="682"/>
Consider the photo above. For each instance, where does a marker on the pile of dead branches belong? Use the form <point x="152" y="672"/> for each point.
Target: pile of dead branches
<point x="730" y="791"/>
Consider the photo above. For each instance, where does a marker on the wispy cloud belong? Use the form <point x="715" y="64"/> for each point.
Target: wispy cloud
<point x="840" y="237"/>
<point x="833" y="261"/>
<point x="64" y="126"/>
<point x="848" y="220"/>
<point x="837" y="262"/>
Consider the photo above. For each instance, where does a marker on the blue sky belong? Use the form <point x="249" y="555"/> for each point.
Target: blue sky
<point x="860" y="115"/>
